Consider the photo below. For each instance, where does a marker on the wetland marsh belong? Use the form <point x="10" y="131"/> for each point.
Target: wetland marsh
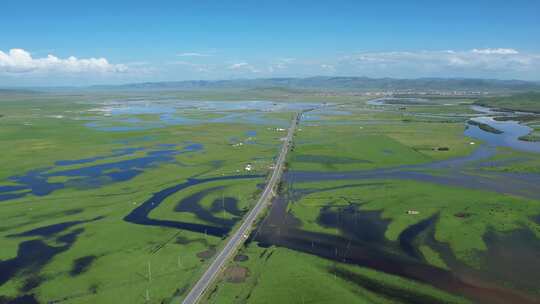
<point x="393" y="218"/>
<point x="128" y="198"/>
<point x="108" y="196"/>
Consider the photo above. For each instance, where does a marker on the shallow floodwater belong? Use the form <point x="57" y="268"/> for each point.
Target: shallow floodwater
<point x="91" y="175"/>
<point x="361" y="242"/>
<point x="459" y="171"/>
<point x="512" y="130"/>
<point x="360" y="239"/>
<point x="178" y="112"/>
<point x="399" y="101"/>
<point x="484" y="110"/>
<point x="215" y="226"/>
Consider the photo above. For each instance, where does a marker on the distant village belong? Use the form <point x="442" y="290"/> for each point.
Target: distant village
<point x="407" y="93"/>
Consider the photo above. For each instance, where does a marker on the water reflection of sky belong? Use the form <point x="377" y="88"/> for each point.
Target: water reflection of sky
<point x="512" y="130"/>
<point x="181" y="113"/>
<point x="409" y="101"/>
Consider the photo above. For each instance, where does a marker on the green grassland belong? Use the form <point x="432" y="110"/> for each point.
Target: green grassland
<point x="382" y="145"/>
<point x="38" y="131"/>
<point x="132" y="263"/>
<point x="310" y="279"/>
<point x="373" y="137"/>
<point x="518" y="102"/>
<point x="486" y="211"/>
<point x="240" y="190"/>
<point x="534" y="135"/>
<point x="270" y="93"/>
<point x="48" y="139"/>
<point x="380" y="140"/>
<point x="521" y="102"/>
<point x="508" y="160"/>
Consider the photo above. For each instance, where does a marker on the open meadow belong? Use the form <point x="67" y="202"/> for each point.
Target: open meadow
<point x="397" y="201"/>
<point x="121" y="198"/>
<point x="127" y="197"/>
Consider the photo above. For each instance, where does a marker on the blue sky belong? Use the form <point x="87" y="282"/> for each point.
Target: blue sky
<point x="75" y="43"/>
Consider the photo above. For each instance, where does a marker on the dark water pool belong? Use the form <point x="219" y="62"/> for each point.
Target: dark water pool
<point x="361" y="238"/>
<point x="400" y="101"/>
<point x="216" y="226"/>
<point x="361" y="242"/>
<point x="36" y="182"/>
<point x="32" y="256"/>
<point x="505" y="183"/>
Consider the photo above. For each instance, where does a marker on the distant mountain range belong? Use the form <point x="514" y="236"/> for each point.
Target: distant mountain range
<point x="16" y="91"/>
<point x="309" y="84"/>
<point x="322" y="83"/>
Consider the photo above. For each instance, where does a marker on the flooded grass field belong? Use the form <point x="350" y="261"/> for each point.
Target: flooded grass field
<point x="450" y="225"/>
<point x="124" y="199"/>
<point x="127" y="198"/>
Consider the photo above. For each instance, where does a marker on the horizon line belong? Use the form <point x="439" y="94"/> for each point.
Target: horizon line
<point x="265" y="78"/>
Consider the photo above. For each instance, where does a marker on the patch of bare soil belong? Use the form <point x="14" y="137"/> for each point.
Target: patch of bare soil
<point x="205" y="255"/>
<point x="236" y="274"/>
<point x="241" y="258"/>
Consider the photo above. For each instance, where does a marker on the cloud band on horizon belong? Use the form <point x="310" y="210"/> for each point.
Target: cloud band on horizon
<point x="19" y="61"/>
<point x="502" y="63"/>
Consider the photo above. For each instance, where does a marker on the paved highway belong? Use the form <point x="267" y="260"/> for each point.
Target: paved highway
<point x="238" y="238"/>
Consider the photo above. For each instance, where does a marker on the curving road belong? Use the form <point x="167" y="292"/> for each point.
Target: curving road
<point x="238" y="238"/>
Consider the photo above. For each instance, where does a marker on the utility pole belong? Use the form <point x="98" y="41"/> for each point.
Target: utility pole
<point x="149" y="272"/>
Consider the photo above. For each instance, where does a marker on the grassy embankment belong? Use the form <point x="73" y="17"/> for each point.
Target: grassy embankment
<point x="281" y="275"/>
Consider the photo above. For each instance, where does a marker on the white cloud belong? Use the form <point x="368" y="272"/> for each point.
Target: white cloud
<point x="280" y="64"/>
<point x="138" y="63"/>
<point x="182" y="62"/>
<point x="239" y="65"/>
<point x="286" y="60"/>
<point x="193" y="66"/>
<point x="18" y="66"/>
<point x="499" y="51"/>
<point x="481" y="63"/>
<point x="193" y="54"/>
<point x="243" y="66"/>
<point x="21" y="61"/>
<point x="328" y="67"/>
<point x="471" y="62"/>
